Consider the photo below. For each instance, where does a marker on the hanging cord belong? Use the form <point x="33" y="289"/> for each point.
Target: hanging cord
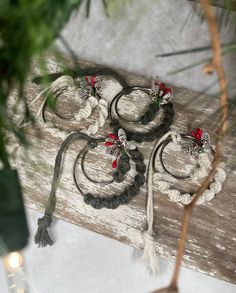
<point x="149" y="255"/>
<point x="42" y="237"/>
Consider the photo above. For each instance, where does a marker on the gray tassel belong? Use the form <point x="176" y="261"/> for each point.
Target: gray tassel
<point x="42" y="237"/>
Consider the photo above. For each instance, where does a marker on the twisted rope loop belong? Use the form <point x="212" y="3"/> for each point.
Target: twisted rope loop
<point x="174" y="195"/>
<point x="103" y="114"/>
<point x="67" y="83"/>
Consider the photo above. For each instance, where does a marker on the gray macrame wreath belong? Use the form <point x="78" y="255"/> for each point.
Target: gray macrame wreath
<point x="160" y="96"/>
<point x="123" y="150"/>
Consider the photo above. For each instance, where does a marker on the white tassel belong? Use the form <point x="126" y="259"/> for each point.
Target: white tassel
<point x="149" y="254"/>
<point x="149" y="258"/>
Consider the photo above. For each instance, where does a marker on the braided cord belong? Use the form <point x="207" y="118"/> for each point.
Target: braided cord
<point x="185" y="198"/>
<point x="99" y="123"/>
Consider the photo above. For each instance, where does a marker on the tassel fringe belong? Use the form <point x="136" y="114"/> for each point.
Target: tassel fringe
<point x="42" y="237"/>
<point x="149" y="254"/>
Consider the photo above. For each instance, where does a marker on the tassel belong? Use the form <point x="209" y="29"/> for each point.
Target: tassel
<point x="42" y="237"/>
<point x="149" y="254"/>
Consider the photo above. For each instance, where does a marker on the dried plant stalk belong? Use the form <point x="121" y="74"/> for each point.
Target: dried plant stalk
<point x="215" y="66"/>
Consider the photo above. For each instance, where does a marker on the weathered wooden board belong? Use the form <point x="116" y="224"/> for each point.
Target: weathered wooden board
<point x="212" y="234"/>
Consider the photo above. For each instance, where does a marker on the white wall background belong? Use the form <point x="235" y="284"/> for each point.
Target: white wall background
<point x="82" y="261"/>
<point x="137" y="33"/>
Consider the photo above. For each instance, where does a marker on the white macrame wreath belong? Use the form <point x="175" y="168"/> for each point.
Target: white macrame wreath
<point x="87" y="106"/>
<point x="174" y="195"/>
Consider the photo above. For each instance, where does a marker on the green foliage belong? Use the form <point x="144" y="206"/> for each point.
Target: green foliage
<point x="115" y="7"/>
<point x="27" y="28"/>
<point x="13" y="227"/>
<point x="226" y="48"/>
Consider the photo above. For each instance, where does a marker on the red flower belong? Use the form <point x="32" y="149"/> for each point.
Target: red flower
<point x="165" y="89"/>
<point x="162" y="86"/>
<point x="113" y="136"/>
<point x="109" y="143"/>
<point x="90" y="82"/>
<point x="93" y="80"/>
<point x="86" y="79"/>
<point x="116" y="145"/>
<point x="197" y="134"/>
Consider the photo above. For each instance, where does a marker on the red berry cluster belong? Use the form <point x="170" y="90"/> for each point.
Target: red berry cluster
<point x="165" y="89"/>
<point x="90" y="82"/>
<point x="197" y="134"/>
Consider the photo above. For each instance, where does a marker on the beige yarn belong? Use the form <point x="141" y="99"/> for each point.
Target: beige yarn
<point x="66" y="82"/>
<point x="149" y="255"/>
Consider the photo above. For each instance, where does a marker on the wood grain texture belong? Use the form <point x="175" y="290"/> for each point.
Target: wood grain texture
<point x="212" y="234"/>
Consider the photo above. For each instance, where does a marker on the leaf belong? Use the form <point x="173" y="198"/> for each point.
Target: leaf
<point x="116" y="8"/>
<point x="130" y="146"/>
<point x="109" y="143"/>
<point x="13" y="226"/>
<point x="122" y="135"/>
<point x="104" y="2"/>
<point x="113" y="136"/>
<point x="114" y="164"/>
<point x="226" y="48"/>
<point x="189" y="66"/>
<point x="88" y="5"/>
